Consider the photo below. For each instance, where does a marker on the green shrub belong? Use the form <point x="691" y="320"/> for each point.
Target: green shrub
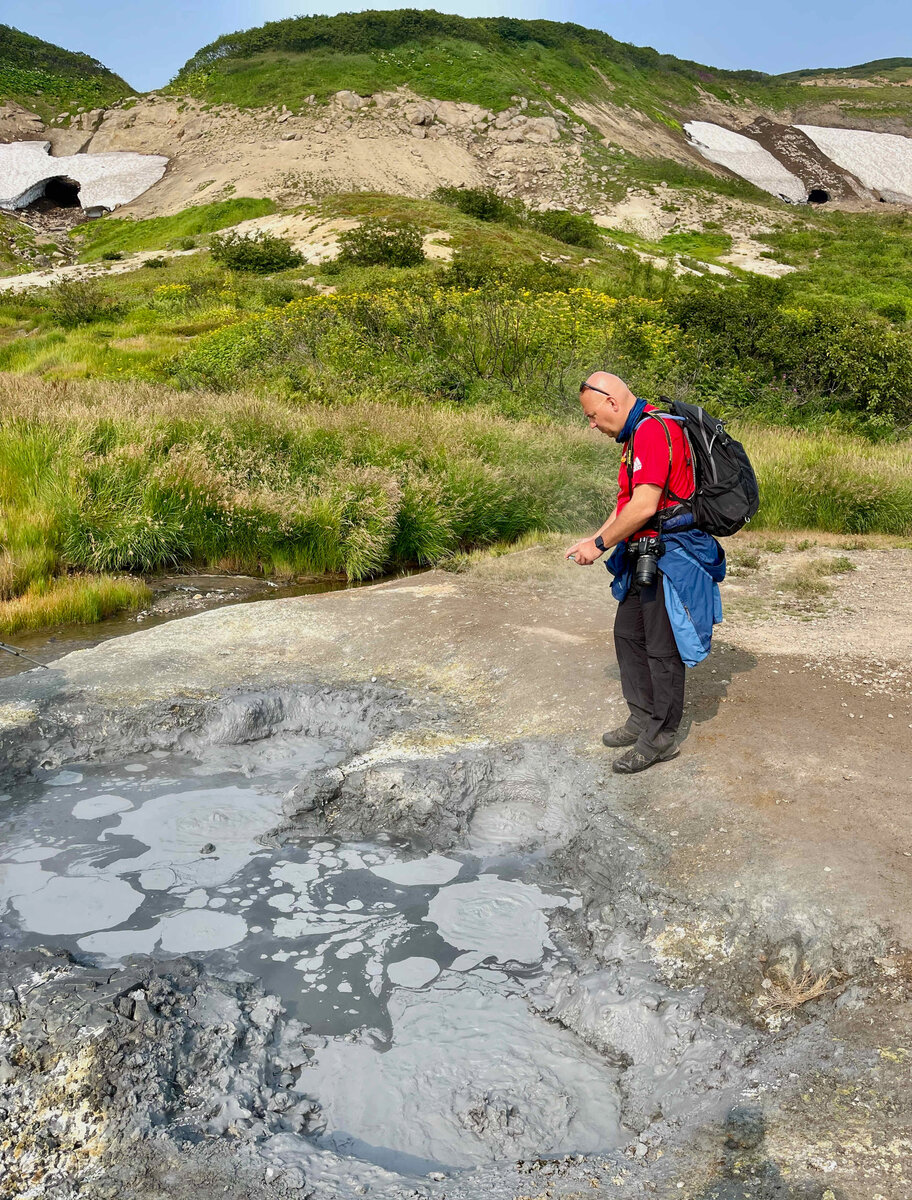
<point x="262" y="252"/>
<point x="376" y="243"/>
<point x="483" y="204"/>
<point x="75" y="302"/>
<point x="894" y="311"/>
<point x="576" y="229"/>
<point x="276" y="292"/>
<point x="843" y="361"/>
<point x="470" y="268"/>
<point x="185" y="243"/>
<point x="156" y="263"/>
<point x="111" y="256"/>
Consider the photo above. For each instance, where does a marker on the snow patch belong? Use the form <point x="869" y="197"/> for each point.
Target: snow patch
<point x="746" y="158"/>
<point x="105" y="180"/>
<point x="882" y="161"/>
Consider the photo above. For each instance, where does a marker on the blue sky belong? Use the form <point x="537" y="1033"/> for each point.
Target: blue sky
<point x="147" y="41"/>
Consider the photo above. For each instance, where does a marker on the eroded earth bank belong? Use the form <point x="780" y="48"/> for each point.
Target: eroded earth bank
<point x="339" y="896"/>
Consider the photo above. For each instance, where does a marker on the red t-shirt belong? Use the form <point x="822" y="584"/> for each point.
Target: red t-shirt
<point x="649" y="449"/>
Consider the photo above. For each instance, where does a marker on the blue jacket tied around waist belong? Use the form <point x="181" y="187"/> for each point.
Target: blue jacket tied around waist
<point x="693" y="566"/>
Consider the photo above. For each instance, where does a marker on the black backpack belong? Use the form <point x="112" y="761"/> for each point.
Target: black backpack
<point x="727" y="494"/>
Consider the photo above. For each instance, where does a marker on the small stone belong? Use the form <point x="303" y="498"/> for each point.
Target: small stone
<point x="209" y="848"/>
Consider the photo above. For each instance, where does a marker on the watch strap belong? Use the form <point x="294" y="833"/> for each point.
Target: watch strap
<point x="599" y="542"/>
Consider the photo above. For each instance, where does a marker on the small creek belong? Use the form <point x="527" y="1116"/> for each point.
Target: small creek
<point x="411" y="974"/>
<point x="174" y="596"/>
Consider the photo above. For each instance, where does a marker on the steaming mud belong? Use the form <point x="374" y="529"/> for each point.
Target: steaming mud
<point x="411" y="975"/>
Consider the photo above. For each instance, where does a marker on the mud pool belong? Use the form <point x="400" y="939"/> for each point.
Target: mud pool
<point x="410" y="974"/>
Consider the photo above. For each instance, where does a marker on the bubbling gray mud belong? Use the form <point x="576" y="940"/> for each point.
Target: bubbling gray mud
<point x="411" y="974"/>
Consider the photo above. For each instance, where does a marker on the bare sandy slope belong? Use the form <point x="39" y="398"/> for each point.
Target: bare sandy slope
<point x="396" y="143"/>
<point x="316" y="239"/>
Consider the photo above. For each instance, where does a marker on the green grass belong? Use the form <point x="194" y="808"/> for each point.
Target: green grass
<point x="99" y="479"/>
<point x="487" y="60"/>
<point x="864" y="259"/>
<point x="125" y="236"/>
<point x="45" y="78"/>
<point x="110" y="478"/>
<point x="828" y="481"/>
<point x="704" y="246"/>
<point x="743" y="350"/>
<point x="73" y="600"/>
<point x="701" y="247"/>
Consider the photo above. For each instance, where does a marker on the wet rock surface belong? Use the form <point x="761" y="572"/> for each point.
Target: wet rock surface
<point x="103" y="1066"/>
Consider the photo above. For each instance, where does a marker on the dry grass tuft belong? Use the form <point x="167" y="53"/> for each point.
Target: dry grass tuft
<point x="783" y="993"/>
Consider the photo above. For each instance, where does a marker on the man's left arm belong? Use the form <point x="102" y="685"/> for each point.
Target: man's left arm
<point x="644" y="504"/>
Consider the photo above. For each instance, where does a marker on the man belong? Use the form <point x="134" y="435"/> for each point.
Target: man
<point x="654" y="621"/>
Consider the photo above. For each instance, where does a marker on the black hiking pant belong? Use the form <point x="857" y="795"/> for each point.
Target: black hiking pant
<point x="652" y="673"/>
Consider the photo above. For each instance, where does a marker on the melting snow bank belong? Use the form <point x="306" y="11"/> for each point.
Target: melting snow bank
<point x="746" y="158"/>
<point x="105" y="180"/>
<point x="882" y="161"/>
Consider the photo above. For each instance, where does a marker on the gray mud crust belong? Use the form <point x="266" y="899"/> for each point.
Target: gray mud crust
<point x="161" y="1079"/>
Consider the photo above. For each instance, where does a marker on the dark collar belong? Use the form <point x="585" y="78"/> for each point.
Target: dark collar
<point x="633" y="419"/>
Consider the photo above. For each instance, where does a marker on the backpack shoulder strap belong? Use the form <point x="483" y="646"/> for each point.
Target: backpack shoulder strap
<point x="628" y="453"/>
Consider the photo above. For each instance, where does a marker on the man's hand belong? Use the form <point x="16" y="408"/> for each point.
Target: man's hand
<point x="584" y="553"/>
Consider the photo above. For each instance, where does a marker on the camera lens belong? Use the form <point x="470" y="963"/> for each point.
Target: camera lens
<point x="647" y="567"/>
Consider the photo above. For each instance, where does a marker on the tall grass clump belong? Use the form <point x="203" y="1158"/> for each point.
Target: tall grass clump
<point x="71" y="600"/>
<point x="74" y="302"/>
<point x="830" y="481"/>
<point x="132" y="478"/>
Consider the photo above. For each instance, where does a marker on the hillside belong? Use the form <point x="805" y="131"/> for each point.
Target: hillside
<point x="450" y="218"/>
<point x="43" y="77"/>
<point x="486" y="60"/>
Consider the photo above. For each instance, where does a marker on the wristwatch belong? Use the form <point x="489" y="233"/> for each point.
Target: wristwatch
<point x="600" y="543"/>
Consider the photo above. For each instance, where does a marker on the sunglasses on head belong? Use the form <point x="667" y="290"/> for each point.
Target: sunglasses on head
<point x="584" y="385"/>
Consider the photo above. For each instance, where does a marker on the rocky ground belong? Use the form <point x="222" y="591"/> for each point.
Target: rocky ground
<point x="768" y="867"/>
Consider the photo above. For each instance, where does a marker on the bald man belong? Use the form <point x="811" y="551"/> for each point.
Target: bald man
<point x="655" y="474"/>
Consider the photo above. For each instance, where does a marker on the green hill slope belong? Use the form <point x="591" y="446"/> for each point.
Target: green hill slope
<point x="44" y="78"/>
<point x="893" y="70"/>
<point x="488" y="59"/>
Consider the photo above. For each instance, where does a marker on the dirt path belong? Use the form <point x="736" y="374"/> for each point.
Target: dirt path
<point x="316" y="239"/>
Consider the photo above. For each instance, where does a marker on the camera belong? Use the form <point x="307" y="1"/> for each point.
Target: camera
<point x="646" y="551"/>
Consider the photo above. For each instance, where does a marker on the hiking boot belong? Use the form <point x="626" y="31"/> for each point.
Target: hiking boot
<point x="637" y="759"/>
<point x="623" y="736"/>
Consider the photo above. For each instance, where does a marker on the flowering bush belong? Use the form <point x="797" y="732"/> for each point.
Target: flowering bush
<point x="468" y="343"/>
